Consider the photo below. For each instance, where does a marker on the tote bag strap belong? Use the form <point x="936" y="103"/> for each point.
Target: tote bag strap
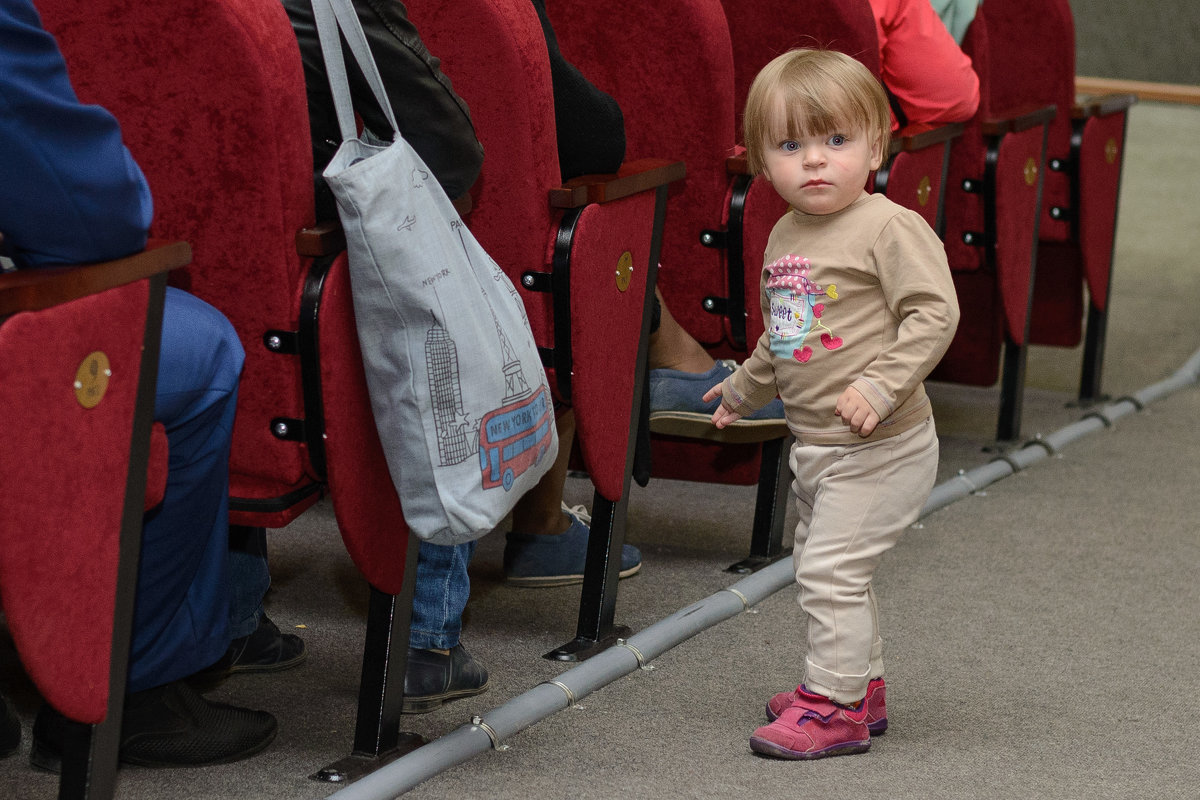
<point x="330" y="15"/>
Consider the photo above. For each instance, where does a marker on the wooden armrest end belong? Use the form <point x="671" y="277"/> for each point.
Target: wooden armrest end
<point x="1102" y="106"/>
<point x="1019" y="120"/>
<point x="632" y="178"/>
<point x="36" y="289"/>
<point x="322" y="239"/>
<point x="918" y="137"/>
<point x="1188" y="94"/>
<point x="737" y="165"/>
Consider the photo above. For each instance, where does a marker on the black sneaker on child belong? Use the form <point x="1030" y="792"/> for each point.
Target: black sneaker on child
<point x="167" y="726"/>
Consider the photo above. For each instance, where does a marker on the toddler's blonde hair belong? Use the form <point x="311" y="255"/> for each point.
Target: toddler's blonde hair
<point x="812" y="93"/>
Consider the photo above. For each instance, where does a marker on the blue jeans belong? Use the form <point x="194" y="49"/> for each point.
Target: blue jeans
<point x="442" y="589"/>
<point x="249" y="579"/>
<point x="181" y="615"/>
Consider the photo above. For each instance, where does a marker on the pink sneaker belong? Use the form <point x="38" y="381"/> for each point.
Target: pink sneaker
<point x="813" y="727"/>
<point x="876" y="706"/>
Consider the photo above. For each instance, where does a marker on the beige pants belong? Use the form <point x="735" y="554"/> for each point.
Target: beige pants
<point x="853" y="503"/>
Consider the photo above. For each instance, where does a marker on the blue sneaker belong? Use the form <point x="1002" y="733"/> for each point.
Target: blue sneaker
<point x="545" y="560"/>
<point x="676" y="408"/>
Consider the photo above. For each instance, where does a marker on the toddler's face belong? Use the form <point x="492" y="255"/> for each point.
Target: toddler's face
<point x="821" y="173"/>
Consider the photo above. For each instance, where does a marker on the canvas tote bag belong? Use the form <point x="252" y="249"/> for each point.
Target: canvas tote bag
<point x="456" y="383"/>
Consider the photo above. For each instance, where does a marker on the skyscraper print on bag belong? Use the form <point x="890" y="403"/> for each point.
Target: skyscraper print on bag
<point x="508" y="439"/>
<point x="795" y="309"/>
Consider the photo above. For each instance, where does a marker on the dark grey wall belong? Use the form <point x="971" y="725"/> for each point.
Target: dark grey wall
<point x="1141" y="40"/>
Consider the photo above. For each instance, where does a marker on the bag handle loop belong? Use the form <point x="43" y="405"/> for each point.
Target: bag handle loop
<point x="330" y="16"/>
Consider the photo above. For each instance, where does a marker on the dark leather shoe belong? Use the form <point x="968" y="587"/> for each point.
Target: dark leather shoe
<point x="432" y="678"/>
<point x="167" y="726"/>
<point x="266" y="650"/>
<point x="10" y="728"/>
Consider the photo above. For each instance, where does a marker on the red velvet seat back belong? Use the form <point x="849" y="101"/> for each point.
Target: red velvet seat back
<point x="500" y="66"/>
<point x="65" y="468"/>
<point x="210" y="96"/>
<point x="996" y="295"/>
<point x="973" y="356"/>
<point x="1077" y="229"/>
<point x="1031" y="56"/>
<point x="669" y="65"/>
<point x="1032" y="46"/>
<point x="762" y="30"/>
<point x="1009" y="82"/>
<point x="670" y="68"/>
<point x="217" y="116"/>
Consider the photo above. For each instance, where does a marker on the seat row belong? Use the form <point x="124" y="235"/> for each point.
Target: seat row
<point x="237" y="188"/>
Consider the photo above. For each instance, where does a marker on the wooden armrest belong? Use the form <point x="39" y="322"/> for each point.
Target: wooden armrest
<point x="1019" y="120"/>
<point x="35" y="289"/>
<point x="322" y="239"/>
<point x="1102" y="106"/>
<point x="1145" y="90"/>
<point x="634" y="177"/>
<point x="326" y="238"/>
<point x="737" y="165"/>
<point x="920" y="136"/>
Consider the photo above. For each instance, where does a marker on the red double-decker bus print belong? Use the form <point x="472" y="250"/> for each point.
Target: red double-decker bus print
<point x="514" y="437"/>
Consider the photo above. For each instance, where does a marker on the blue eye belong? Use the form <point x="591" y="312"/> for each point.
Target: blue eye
<point x="837" y="140"/>
<point x="790" y="146"/>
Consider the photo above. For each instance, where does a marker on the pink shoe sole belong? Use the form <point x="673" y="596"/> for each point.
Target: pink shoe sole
<point x="769" y="748"/>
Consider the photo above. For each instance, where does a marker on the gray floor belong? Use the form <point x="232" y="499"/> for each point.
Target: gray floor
<point x="1042" y="636"/>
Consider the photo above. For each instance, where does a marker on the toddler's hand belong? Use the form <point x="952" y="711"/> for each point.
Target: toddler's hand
<point x="723" y="415"/>
<point x="856" y="412"/>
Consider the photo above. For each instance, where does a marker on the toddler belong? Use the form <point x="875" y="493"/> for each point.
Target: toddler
<point x="858" y="306"/>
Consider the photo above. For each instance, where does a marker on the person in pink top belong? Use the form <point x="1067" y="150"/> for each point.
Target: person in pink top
<point x="929" y="78"/>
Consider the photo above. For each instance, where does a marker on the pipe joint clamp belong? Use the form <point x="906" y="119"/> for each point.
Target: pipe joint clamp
<point x="497" y="745"/>
<point x="739" y="596"/>
<point x="641" y="659"/>
<point x="1012" y="463"/>
<point x="571" y="698"/>
<point x="1108" y="423"/>
<point x="1137" y="404"/>
<point x="1042" y="442"/>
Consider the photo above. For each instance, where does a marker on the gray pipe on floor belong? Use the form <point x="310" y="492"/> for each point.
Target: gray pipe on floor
<point x="969" y="482"/>
<point x="550" y="697"/>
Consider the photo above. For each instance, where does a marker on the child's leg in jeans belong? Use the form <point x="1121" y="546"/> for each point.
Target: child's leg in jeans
<point x="854" y="503"/>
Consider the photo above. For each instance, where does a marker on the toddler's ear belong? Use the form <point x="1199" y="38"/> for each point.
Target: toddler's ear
<point x="877" y="153"/>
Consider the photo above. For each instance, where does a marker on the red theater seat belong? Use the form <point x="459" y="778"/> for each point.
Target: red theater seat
<point x="223" y="141"/>
<point x="993" y="207"/>
<point x="670" y="67"/>
<point x="79" y="347"/>
<point x="583" y="255"/>
<point x="914" y="172"/>
<point x="1084" y="156"/>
